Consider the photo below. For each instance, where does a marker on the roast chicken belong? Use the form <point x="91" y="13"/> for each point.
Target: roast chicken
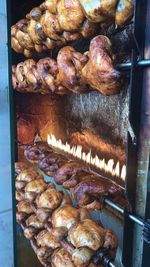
<point x="94" y="188"/>
<point x="37" y="152"/>
<point x="60" y="234"/>
<point x="50" y="164"/>
<point x="89" y="234"/>
<point x="50" y="199"/>
<point x="66" y="216"/>
<point x="55" y="23"/>
<point x="69" y="173"/>
<point x="73" y="71"/>
<point x="19" y="167"/>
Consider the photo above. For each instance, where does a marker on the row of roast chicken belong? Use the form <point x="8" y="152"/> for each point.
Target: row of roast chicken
<point x="60" y="234"/>
<point x="87" y="189"/>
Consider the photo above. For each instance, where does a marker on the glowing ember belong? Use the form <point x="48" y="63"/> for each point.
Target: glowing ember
<point x="77" y="152"/>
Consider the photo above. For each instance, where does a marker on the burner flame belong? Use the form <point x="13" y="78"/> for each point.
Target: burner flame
<point x="77" y="152"/>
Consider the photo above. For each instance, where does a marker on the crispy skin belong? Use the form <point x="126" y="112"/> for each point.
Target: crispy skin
<point x="61" y="258"/>
<point x="51" y="198"/>
<point x="87" y="233"/>
<point x="67" y="215"/>
<point x="93" y="188"/>
<point x="82" y="256"/>
<point x="36" y="186"/>
<point x="99" y="10"/>
<point x="70" y="64"/>
<point x="47" y="239"/>
<point x="124" y="12"/>
<point x="37" y="152"/>
<point x="25" y="206"/>
<point x="70" y="171"/>
<point x="99" y="72"/>
<point x="19" y="167"/>
<point x="28" y="175"/>
<point x="70" y="14"/>
<point x="50" y="164"/>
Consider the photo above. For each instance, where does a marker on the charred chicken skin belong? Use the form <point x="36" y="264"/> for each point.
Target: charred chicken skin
<point x="54" y="23"/>
<point x="69" y="173"/>
<point x="60" y="234"/>
<point x="50" y="164"/>
<point x="37" y="152"/>
<point x="87" y="190"/>
<point x="73" y="71"/>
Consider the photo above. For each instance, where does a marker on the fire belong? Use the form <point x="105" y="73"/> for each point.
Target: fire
<point x="77" y="152"/>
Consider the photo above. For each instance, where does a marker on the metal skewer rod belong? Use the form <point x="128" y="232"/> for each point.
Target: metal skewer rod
<point x="134" y="218"/>
<point x="127" y="65"/>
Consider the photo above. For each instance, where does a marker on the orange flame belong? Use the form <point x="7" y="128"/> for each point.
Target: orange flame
<point x="77" y="152"/>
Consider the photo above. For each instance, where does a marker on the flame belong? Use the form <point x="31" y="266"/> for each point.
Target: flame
<point x="77" y="152"/>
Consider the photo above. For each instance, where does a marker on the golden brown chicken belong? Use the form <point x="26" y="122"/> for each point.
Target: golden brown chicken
<point x="66" y="216"/>
<point x="19" y="167"/>
<point x="70" y="64"/>
<point x="28" y="184"/>
<point x="34" y="222"/>
<point x="50" y="199"/>
<point x="87" y="234"/>
<point x="99" y="10"/>
<point x="82" y="256"/>
<point x="107" y="11"/>
<point x="28" y="175"/>
<point x="124" y="12"/>
<point x="47" y="239"/>
<point x="61" y="258"/>
<point x="25" y="206"/>
<point x="36" y="186"/>
<point x="55" y="23"/>
<point x="74" y="72"/>
<point x="99" y="71"/>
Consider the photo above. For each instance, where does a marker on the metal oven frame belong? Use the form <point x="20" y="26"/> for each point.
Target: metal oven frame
<point x="136" y="233"/>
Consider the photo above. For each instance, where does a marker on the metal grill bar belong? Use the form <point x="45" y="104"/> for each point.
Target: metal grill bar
<point x="139" y="64"/>
<point x="121" y="210"/>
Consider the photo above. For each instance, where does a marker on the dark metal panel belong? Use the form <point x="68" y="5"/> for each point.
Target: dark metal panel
<point x="138" y="148"/>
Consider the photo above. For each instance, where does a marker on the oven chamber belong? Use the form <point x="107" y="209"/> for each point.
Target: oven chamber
<point x="133" y="247"/>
